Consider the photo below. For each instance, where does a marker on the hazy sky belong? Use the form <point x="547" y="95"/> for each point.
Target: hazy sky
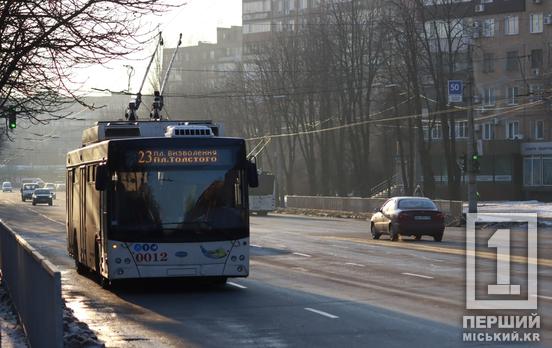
<point x="197" y="21"/>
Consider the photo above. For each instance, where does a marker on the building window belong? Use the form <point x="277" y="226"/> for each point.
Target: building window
<point x="490" y="96"/>
<point x="488" y="131"/>
<point x="303" y="4"/>
<point x="535" y="21"/>
<point x="511" y="25"/>
<point x="488" y="62"/>
<point x="513" y="93"/>
<point x="536" y="59"/>
<point x="489" y="27"/>
<point x="535" y="92"/>
<point x="512" y="130"/>
<point x="512" y="61"/>
<point x="462" y="129"/>
<point x="539" y="130"/>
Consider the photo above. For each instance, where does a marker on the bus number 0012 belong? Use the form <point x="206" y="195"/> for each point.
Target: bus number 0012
<point x="150" y="257"/>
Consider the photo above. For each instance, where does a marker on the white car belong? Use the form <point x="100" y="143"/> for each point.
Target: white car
<point x="6" y="186"/>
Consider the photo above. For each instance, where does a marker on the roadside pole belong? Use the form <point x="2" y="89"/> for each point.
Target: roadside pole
<point x="472" y="184"/>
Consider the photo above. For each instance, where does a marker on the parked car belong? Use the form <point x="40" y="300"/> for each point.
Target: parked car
<point x="6" y="186"/>
<point x="41" y="195"/>
<point x="27" y="191"/>
<point x="52" y="187"/>
<point x="408" y="216"/>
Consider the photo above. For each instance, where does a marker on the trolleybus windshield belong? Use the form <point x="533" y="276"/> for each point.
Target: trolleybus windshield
<point x="177" y="203"/>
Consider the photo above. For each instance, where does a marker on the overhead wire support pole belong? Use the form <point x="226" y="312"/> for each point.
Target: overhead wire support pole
<point x="470" y="150"/>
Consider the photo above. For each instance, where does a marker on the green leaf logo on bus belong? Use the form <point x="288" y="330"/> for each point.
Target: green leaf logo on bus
<point x="214" y="254"/>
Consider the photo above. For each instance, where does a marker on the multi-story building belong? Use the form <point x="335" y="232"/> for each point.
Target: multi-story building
<point x="200" y="72"/>
<point x="512" y="59"/>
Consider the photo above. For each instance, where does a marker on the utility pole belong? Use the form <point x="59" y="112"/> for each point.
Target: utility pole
<point x="472" y="185"/>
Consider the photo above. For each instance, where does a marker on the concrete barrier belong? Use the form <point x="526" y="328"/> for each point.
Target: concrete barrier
<point x="34" y="285"/>
<point x="360" y="205"/>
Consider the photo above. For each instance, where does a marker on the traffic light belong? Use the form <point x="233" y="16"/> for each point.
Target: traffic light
<point x="11" y="120"/>
<point x="475" y="162"/>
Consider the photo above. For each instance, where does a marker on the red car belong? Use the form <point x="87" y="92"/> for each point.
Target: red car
<point x="408" y="216"/>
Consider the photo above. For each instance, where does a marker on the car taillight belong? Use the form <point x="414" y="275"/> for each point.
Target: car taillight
<point x="439" y="216"/>
<point x="404" y="217"/>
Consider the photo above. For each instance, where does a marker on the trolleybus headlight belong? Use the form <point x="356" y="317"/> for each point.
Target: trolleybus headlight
<point x="114" y="246"/>
<point x="118" y="260"/>
<point x="120" y="271"/>
<point x="242" y="257"/>
<point x="240" y="269"/>
<point x="233" y="258"/>
<point x="127" y="260"/>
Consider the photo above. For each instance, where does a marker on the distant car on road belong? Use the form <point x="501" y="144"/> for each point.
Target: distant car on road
<point x="408" y="216"/>
<point x="6" y="186"/>
<point x="41" y="195"/>
<point x="52" y="187"/>
<point x="27" y="191"/>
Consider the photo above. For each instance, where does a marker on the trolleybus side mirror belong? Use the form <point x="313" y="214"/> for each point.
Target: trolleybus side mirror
<point x="102" y="178"/>
<point x="252" y="175"/>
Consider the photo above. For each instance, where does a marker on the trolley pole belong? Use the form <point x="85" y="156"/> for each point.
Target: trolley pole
<point x="472" y="184"/>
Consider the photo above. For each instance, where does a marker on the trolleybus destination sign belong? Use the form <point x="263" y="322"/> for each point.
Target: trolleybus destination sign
<point x="167" y="156"/>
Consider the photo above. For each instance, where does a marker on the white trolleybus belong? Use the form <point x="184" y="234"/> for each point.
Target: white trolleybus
<point x="155" y="199"/>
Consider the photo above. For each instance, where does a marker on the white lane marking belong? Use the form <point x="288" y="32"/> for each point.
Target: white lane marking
<point x="46" y="217"/>
<point x="417" y="275"/>
<point x="354" y="264"/>
<point x="328" y="315"/>
<point x="237" y="285"/>
<point x="255" y="245"/>
<point x="543" y="297"/>
<point x="301" y="254"/>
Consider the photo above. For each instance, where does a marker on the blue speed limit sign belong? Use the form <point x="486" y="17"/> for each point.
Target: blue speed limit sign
<point x="455" y="91"/>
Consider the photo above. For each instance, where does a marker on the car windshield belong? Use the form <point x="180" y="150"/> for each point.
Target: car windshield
<point x="42" y="192"/>
<point x="29" y="186"/>
<point x="412" y="204"/>
<point x="177" y="205"/>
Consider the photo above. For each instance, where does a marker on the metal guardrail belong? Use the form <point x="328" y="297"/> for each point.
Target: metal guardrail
<point x="34" y="285"/>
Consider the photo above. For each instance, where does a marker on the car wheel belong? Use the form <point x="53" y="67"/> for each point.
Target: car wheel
<point x="50" y="203"/>
<point x="375" y="234"/>
<point x="22" y="199"/>
<point x="438" y="237"/>
<point x="81" y="269"/>
<point x="393" y="233"/>
<point x="418" y="237"/>
<point x="34" y="203"/>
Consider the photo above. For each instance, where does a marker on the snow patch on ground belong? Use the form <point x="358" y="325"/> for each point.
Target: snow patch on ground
<point x="76" y="333"/>
<point x="11" y="331"/>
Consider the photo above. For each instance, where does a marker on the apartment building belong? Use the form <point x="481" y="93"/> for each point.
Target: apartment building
<point x="511" y="42"/>
<point x="199" y="74"/>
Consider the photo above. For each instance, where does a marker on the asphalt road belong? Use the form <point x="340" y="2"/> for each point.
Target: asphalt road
<point x="314" y="282"/>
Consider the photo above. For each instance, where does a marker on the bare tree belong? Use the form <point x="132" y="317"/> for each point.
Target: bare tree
<point x="45" y="42"/>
